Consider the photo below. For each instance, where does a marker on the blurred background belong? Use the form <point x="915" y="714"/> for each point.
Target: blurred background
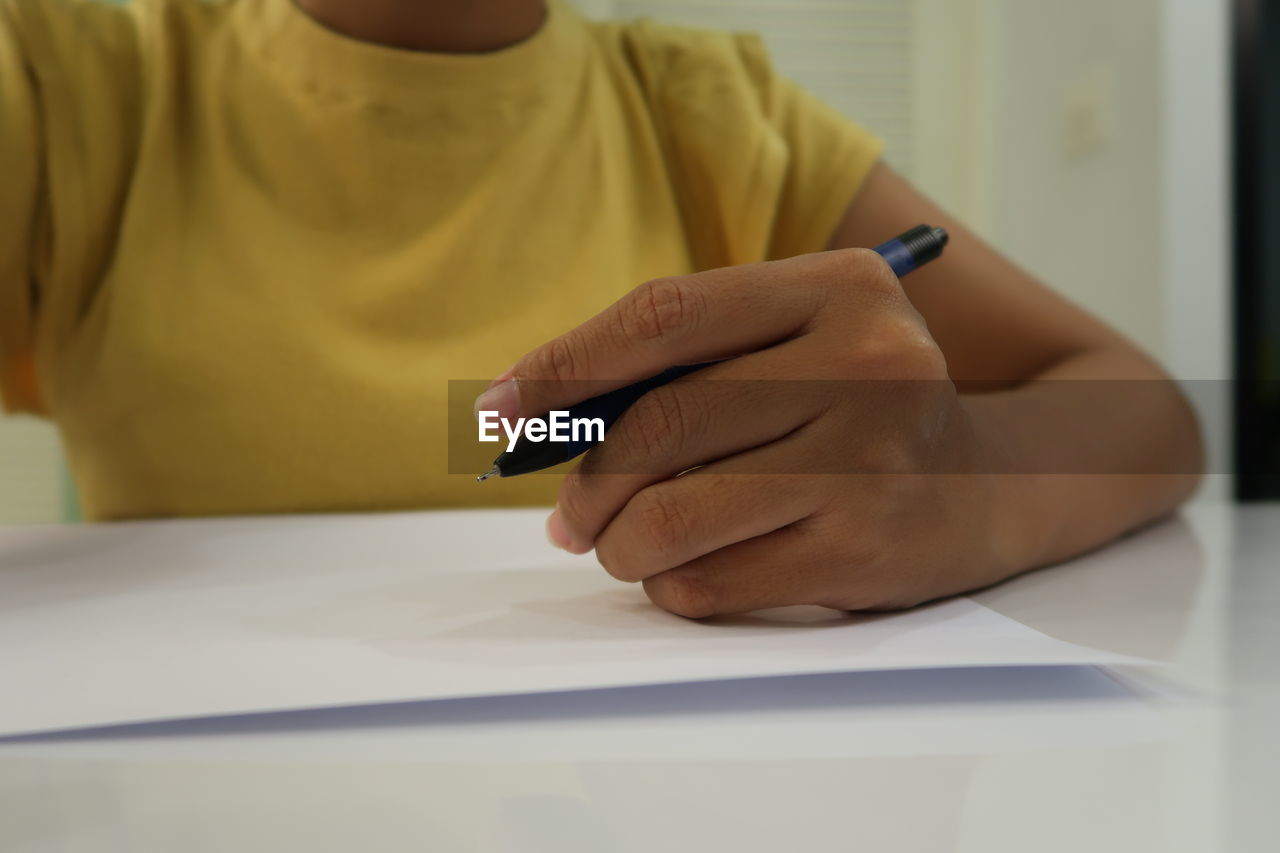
<point x="1089" y="140"/>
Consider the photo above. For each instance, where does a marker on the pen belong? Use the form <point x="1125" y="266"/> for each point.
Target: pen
<point x="904" y="253"/>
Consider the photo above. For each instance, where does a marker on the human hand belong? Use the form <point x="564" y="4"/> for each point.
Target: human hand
<point x="861" y="491"/>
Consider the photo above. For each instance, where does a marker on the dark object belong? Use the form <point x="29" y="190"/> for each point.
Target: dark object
<point x="1256" y="87"/>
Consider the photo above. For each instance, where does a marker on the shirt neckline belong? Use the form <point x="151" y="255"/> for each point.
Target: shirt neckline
<point x="328" y="63"/>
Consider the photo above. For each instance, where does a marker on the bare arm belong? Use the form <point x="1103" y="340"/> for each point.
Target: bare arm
<point x="999" y="328"/>
<point x="975" y="426"/>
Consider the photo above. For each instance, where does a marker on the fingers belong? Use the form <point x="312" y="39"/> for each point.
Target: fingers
<point x="677" y="427"/>
<point x="685" y="320"/>
<point x="776" y="570"/>
<point x="695" y="421"/>
<point x="674" y="522"/>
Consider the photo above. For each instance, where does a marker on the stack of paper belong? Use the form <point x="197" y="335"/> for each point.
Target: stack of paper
<point x="108" y="624"/>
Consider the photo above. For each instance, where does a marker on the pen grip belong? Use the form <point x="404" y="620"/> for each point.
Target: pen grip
<point x="904" y="254"/>
<point x="898" y="253"/>
<point x="609" y="406"/>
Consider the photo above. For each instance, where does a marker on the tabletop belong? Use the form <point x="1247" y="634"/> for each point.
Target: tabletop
<point x="1177" y="757"/>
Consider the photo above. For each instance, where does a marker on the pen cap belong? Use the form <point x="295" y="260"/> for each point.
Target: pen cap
<point x="925" y="243"/>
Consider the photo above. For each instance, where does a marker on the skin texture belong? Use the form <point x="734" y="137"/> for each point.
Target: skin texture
<point x="941" y="400"/>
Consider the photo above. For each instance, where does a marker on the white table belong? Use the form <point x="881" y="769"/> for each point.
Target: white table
<point x="1068" y="758"/>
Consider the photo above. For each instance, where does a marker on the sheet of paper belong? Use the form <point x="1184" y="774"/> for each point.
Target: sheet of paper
<point x="109" y="624"/>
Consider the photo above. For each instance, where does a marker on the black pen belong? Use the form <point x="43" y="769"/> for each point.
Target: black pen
<point x="904" y="253"/>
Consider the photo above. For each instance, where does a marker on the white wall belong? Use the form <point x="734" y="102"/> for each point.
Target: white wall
<point x="1196" y="175"/>
<point x="1198" y="218"/>
<point x="1071" y="151"/>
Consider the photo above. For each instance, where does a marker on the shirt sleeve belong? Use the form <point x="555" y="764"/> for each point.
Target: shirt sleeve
<point x="762" y="169"/>
<point x="22" y="168"/>
<point x="70" y="107"/>
<point x="827" y="156"/>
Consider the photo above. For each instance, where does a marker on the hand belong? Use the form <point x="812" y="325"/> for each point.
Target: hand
<point x="862" y="492"/>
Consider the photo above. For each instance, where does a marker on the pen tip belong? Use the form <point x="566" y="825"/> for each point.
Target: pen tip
<point x="492" y="472"/>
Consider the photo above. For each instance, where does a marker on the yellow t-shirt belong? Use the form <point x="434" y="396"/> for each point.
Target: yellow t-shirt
<point x="242" y="256"/>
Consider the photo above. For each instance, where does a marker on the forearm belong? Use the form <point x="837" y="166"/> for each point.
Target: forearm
<point x="1093" y="446"/>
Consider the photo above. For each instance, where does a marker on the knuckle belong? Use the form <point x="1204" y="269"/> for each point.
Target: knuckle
<point x="661" y="308"/>
<point x="847" y="281"/>
<point x="828" y="278"/>
<point x="898" y="348"/>
<point x="870" y="351"/>
<point x="684" y="593"/>
<point x="562" y="359"/>
<point x="920" y="357"/>
<point x="860" y="273"/>
<point x="663" y="529"/>
<point x="891" y="454"/>
<point x="660" y="422"/>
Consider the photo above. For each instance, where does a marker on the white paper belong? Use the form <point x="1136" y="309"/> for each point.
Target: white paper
<point x="109" y="624"/>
